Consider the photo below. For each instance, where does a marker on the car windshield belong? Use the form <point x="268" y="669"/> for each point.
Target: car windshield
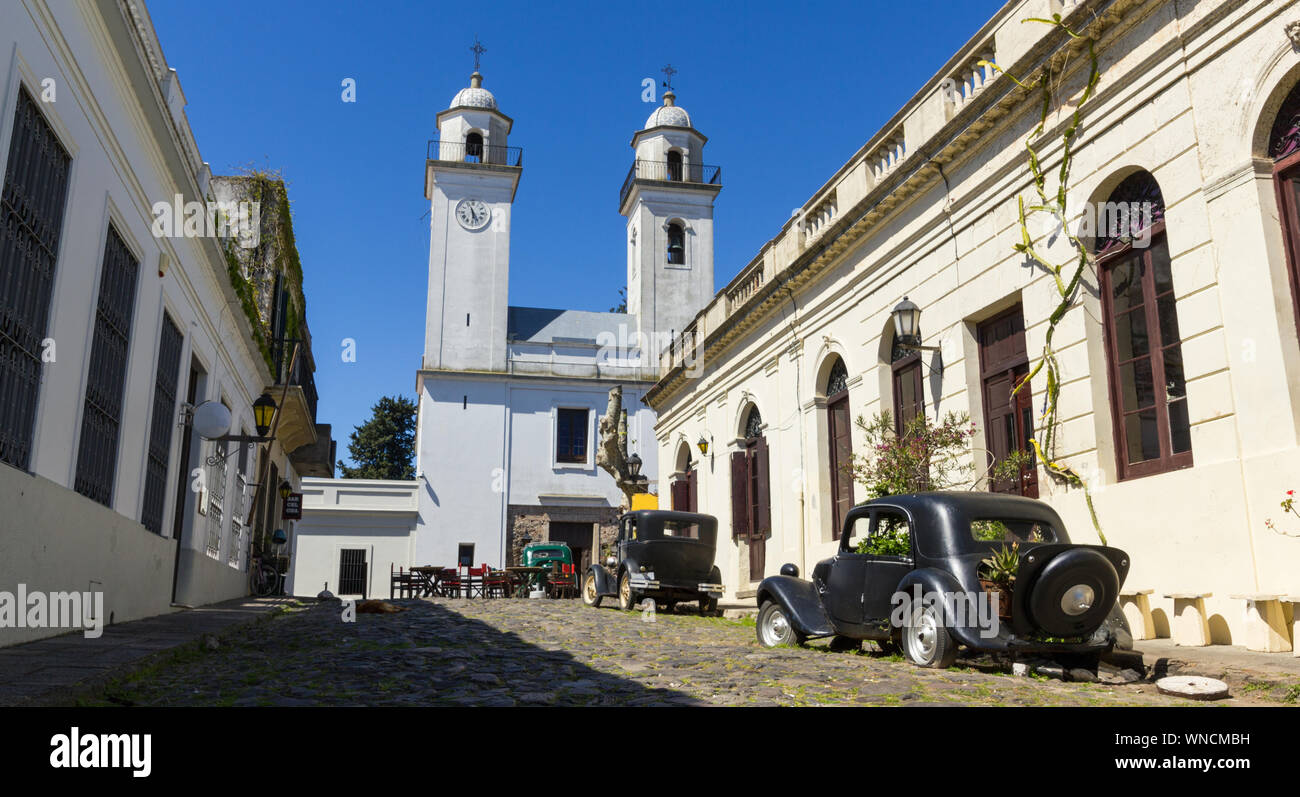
<point x="1011" y="530"/>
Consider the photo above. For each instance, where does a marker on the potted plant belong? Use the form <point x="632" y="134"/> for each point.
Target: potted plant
<point x="997" y="576"/>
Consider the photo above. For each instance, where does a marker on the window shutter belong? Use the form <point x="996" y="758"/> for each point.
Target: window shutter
<point x="762" y="526"/>
<point x="739" y="495"/>
<point x="692" y="492"/>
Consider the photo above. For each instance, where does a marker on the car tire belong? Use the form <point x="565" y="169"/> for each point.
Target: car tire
<point x="773" y="627"/>
<point x="627" y="597"/>
<point x="844" y="644"/>
<point x="591" y="590"/>
<point x="708" y="605"/>
<point x="926" y="642"/>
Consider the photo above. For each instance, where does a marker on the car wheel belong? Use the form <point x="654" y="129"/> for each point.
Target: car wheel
<point x="627" y="599"/>
<point x="708" y="605"/>
<point x="774" y="628"/>
<point x="843" y="644"/>
<point x="926" y="642"/>
<point x="590" y="592"/>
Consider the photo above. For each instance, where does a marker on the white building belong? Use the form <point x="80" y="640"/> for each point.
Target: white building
<point x="1178" y="400"/>
<point x="107" y="329"/>
<point x="509" y="397"/>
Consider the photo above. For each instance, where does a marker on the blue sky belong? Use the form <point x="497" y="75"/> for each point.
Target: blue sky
<point x="785" y="92"/>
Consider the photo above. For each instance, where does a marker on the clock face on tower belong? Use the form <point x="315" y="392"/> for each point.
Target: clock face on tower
<point x="473" y="214"/>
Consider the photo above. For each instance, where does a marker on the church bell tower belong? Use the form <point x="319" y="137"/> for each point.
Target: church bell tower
<point x="668" y="201"/>
<point x="471" y="175"/>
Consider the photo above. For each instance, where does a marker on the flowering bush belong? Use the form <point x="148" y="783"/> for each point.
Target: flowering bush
<point x="1288" y="505"/>
<point x="924" y="457"/>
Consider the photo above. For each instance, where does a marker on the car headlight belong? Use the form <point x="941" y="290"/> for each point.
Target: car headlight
<point x="1078" y="599"/>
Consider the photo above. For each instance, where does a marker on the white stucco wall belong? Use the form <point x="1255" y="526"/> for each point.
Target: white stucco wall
<point x="1184" y="93"/>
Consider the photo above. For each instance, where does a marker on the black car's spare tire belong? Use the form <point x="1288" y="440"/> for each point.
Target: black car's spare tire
<point x="1073" y="593"/>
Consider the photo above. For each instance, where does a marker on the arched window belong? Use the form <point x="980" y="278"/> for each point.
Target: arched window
<point x="909" y="394"/>
<point x="753" y="424"/>
<point x="674" y="165"/>
<point x="839" y="428"/>
<point x="474" y="148"/>
<point x="676" y="245"/>
<point x="1143" y="346"/>
<point x="1284" y="149"/>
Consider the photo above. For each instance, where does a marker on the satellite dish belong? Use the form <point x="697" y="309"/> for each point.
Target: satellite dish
<point x="211" y="420"/>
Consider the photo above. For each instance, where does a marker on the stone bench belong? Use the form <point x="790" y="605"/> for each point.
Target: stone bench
<point x="1266" y="629"/>
<point x="1191" y="628"/>
<point x="1294" y="600"/>
<point x="1137" y="611"/>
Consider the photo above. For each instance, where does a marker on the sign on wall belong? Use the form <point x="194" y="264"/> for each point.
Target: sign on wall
<point x="292" y="507"/>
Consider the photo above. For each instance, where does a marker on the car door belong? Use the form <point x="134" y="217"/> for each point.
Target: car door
<point x="847" y="576"/>
<point x="883" y="571"/>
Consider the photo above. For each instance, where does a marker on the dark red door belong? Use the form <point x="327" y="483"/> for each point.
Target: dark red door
<point x="1008" y="420"/>
<point x="839" y="429"/>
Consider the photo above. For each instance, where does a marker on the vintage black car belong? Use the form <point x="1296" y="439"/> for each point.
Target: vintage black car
<point x="666" y="556"/>
<point x="1063" y="600"/>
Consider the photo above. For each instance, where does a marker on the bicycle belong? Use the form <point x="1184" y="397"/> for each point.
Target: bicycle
<point x="264" y="577"/>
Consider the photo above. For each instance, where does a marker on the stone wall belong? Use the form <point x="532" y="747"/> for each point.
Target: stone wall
<point x="534" y="522"/>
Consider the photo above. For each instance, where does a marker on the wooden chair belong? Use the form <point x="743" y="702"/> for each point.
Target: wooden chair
<point x="401" y="581"/>
<point x="449" y="583"/>
<point x="563" y="582"/>
<point x="496" y="583"/>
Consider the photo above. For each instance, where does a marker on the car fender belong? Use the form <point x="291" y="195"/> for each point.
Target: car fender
<point x="604" y="581"/>
<point x="799" y="599"/>
<point x="932" y="580"/>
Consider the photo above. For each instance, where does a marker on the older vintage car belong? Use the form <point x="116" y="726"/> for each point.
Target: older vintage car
<point x="921" y="582"/>
<point x="666" y="556"/>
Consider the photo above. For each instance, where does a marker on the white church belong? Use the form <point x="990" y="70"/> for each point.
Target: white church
<point x="510" y="397"/>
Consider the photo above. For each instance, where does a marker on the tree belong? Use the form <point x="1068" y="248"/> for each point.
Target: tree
<point x="622" y="301"/>
<point x="384" y="446"/>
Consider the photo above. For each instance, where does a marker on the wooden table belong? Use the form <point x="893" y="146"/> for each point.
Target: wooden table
<point x="428" y="578"/>
<point x="525" y="577"/>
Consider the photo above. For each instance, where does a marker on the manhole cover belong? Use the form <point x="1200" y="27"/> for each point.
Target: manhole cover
<point x="1194" y="687"/>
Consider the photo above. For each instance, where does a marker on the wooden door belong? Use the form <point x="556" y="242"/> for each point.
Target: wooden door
<point x="839" y="429"/>
<point x="1008" y="420"/>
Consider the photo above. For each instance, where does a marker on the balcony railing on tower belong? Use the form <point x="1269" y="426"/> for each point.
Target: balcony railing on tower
<point x="670" y="172"/>
<point x="474" y="152"/>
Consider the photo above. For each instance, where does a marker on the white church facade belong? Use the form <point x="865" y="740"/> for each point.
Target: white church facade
<point x="509" y="397"/>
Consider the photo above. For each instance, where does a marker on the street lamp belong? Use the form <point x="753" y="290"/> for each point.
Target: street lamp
<point x="634" y="466"/>
<point x="263" y="410"/>
<point x="907" y="324"/>
<point x="286" y="489"/>
<point x="703" y="445"/>
<point x="212" y="420"/>
<point x="907" y="332"/>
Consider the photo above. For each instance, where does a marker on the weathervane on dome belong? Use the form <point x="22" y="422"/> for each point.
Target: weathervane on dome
<point x="668" y="76"/>
<point x="478" y="49"/>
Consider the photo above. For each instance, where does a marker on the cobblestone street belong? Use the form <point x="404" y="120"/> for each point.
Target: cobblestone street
<point x="515" y="652"/>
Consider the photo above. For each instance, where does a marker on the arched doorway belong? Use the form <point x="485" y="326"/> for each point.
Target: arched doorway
<point x="751" y="493"/>
<point x="1284" y="149"/>
<point x="684" y="495"/>
<point x="839" y="439"/>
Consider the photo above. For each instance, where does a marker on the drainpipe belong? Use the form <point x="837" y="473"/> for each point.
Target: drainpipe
<point x="798" y="409"/>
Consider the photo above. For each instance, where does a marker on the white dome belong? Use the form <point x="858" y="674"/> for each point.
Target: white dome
<point x="668" y="116"/>
<point x="475" y="96"/>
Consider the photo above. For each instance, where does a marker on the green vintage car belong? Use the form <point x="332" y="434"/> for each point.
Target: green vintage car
<point x="547" y="555"/>
<point x="542" y="554"/>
